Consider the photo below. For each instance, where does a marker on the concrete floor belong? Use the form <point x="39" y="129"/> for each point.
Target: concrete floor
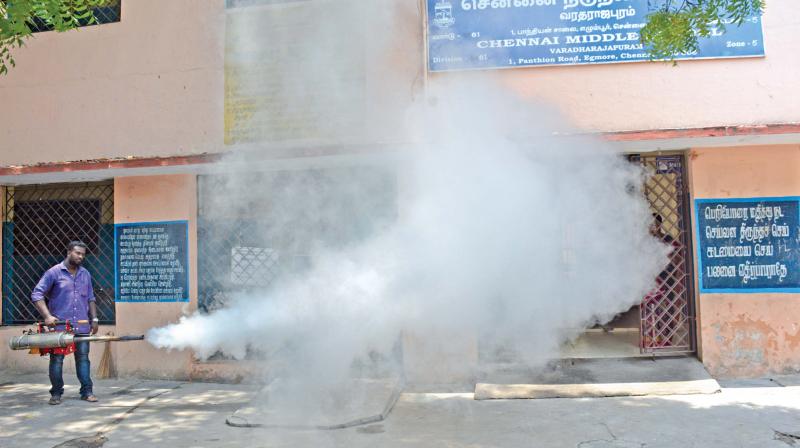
<point x="622" y="343"/>
<point x="619" y="339"/>
<point x="752" y="413"/>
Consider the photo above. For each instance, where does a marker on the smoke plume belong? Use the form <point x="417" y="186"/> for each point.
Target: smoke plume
<point x="482" y="225"/>
<point x="496" y="229"/>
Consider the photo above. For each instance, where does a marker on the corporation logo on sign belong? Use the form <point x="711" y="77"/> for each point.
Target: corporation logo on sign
<point x="443" y="14"/>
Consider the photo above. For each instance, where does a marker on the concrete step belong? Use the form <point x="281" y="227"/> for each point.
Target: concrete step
<point x="580" y="378"/>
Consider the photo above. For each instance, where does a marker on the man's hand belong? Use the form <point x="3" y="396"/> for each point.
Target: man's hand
<point x="93" y="315"/>
<point x="50" y="320"/>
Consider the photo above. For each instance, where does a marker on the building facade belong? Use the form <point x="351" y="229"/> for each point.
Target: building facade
<point x="126" y="123"/>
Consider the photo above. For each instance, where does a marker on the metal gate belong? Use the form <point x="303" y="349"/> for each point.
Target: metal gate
<point x="667" y="315"/>
<point x="39" y="221"/>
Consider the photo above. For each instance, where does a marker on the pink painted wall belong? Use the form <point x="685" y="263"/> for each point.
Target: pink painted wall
<point x="153" y="84"/>
<point x="748" y="335"/>
<point x="147" y="199"/>
<point x="149" y="85"/>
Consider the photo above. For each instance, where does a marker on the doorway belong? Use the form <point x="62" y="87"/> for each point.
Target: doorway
<point x="663" y="323"/>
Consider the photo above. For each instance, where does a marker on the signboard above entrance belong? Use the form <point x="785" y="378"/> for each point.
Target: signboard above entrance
<point x="485" y="34"/>
<point x="749" y="245"/>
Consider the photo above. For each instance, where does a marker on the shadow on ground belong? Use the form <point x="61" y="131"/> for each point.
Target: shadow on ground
<point x="136" y="413"/>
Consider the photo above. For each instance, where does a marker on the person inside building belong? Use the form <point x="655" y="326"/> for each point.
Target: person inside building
<point x="657" y="230"/>
<point x="65" y="293"/>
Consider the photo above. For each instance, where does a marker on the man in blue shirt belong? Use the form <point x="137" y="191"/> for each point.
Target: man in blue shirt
<point x="68" y="289"/>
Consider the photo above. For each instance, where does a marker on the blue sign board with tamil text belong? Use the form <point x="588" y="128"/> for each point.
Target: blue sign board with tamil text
<point x="484" y="34"/>
<point x="151" y="261"/>
<point x="749" y="245"/>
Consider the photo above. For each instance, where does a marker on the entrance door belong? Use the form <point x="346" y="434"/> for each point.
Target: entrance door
<point x="667" y="314"/>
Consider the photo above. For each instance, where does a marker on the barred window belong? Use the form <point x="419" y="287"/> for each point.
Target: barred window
<point x="39" y="221"/>
<point x="110" y="13"/>
<point x="249" y="238"/>
<point x="45" y="225"/>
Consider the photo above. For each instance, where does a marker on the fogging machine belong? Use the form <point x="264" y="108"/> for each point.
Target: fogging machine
<point x="43" y="341"/>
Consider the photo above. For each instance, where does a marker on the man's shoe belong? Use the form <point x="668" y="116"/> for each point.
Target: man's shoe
<point x="90" y="398"/>
<point x="55" y="399"/>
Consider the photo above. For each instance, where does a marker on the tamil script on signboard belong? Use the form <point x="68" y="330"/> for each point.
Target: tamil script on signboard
<point x="475" y="34"/>
<point x="749" y="245"/>
<point x="151" y="262"/>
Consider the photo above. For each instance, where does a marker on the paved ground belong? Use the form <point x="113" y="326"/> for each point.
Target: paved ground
<point x="756" y="413"/>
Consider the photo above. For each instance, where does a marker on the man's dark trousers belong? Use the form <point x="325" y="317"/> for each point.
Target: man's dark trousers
<point x="82" y="366"/>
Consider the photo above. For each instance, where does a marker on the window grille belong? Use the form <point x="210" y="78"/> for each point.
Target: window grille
<point x="39" y="221"/>
<point x="256" y="228"/>
<point x="110" y="13"/>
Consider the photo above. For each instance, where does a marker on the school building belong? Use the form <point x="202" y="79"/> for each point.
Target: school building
<point x="113" y="133"/>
